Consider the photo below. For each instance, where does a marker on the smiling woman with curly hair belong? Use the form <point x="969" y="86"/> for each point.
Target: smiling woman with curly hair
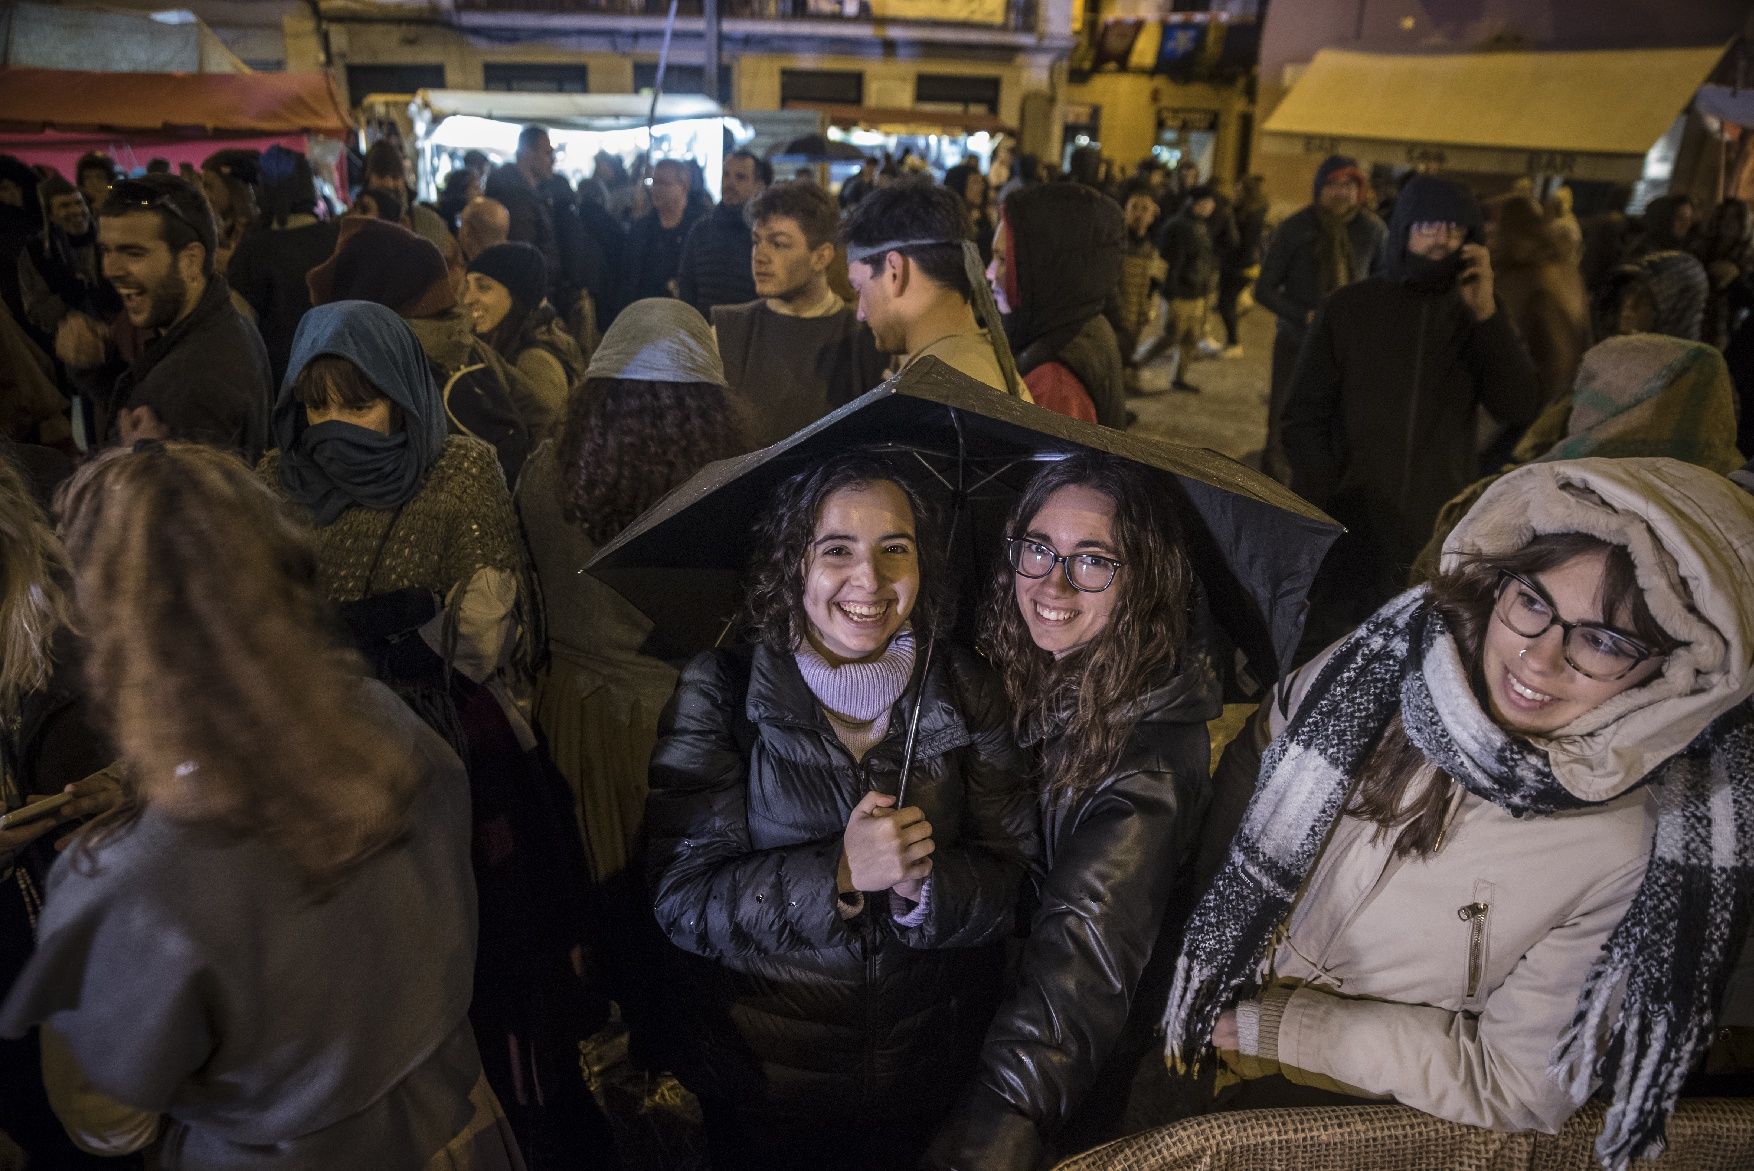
<point x="240" y="949"/>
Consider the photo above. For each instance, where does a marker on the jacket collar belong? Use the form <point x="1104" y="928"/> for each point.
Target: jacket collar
<point x="215" y="299"/>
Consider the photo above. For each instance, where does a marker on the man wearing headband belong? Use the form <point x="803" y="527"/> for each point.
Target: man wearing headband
<point x="919" y="280"/>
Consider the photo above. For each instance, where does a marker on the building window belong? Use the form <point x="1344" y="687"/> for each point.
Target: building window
<point x="947" y="91"/>
<point x="530" y="78"/>
<point x="826" y="86"/>
<point x="364" y="80"/>
<point x="679" y="79"/>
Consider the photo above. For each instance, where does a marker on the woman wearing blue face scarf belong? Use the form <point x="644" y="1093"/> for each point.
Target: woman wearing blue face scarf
<point x="419" y="549"/>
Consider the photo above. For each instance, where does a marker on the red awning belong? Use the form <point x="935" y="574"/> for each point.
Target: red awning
<point x="191" y="104"/>
<point x="877" y="118"/>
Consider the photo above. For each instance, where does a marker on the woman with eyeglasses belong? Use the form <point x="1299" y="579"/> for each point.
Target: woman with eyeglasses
<point x="1495" y="851"/>
<point x="1091" y="625"/>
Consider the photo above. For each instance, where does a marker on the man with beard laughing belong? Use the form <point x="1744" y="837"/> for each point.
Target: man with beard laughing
<point x="201" y="372"/>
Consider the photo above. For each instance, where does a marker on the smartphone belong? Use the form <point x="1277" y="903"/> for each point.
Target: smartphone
<point x="35" y="810"/>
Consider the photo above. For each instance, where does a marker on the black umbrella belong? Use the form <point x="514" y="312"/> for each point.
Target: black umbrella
<point x="1254" y="544"/>
<point x="818" y="148"/>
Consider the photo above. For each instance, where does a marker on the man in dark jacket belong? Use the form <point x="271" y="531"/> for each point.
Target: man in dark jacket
<point x="654" y="242"/>
<point x="518" y="185"/>
<point x="203" y="372"/>
<point x="1331" y="243"/>
<point x="715" y="258"/>
<point x="1380" y="421"/>
<point x="1057" y="264"/>
<point x="1185" y="243"/>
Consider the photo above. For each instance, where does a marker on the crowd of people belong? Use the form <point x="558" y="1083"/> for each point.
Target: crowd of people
<point x="342" y="808"/>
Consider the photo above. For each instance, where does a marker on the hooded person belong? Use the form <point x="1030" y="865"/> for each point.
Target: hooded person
<point x="418" y="549"/>
<point x="269" y="268"/>
<point x="1381" y="417"/>
<point x="1493" y="857"/>
<point x="483" y="395"/>
<point x="1542" y="291"/>
<point x="505" y="295"/>
<point x="1667" y="224"/>
<point x="1333" y="242"/>
<point x="1660" y="292"/>
<point x="1640" y="395"/>
<point x="1056" y="262"/>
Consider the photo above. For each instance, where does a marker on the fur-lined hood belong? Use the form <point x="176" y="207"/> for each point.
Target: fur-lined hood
<point x="1690" y="532"/>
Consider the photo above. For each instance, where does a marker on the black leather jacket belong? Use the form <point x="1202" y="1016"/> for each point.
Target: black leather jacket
<point x="782" y="1006"/>
<point x="1095" y="973"/>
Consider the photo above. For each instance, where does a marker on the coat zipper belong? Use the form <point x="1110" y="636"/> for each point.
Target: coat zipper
<point x="1474" y="914"/>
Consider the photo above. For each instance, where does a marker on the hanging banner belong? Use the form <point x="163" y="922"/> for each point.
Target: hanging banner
<point x="1114" y="42"/>
<point x="991" y="12"/>
<point x="1179" y="52"/>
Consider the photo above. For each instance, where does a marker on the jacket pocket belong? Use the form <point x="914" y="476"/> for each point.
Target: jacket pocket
<point x="1476" y="918"/>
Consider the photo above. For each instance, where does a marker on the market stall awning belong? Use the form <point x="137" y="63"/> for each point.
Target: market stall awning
<point x="912" y="121"/>
<point x="181" y="104"/>
<point x="1587" y="115"/>
<point x="561" y="111"/>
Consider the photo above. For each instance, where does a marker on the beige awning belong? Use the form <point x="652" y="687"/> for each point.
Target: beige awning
<point x="1587" y="115"/>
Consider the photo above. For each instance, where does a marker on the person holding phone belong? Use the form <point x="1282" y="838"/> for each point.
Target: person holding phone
<point x="1380" y="419"/>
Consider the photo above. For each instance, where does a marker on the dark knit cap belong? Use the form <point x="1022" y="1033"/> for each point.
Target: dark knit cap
<point x="517" y="266"/>
<point x="376" y="260"/>
<point x="1340" y="167"/>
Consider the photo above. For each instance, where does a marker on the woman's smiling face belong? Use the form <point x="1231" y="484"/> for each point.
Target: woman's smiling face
<point x="1078" y="521"/>
<point x="861" y="572"/>
<point x="1530" y="687"/>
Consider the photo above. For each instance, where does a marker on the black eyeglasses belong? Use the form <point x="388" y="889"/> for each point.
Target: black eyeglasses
<point x="139" y="195"/>
<point x="1598" y="651"/>
<point x="1085" y="572"/>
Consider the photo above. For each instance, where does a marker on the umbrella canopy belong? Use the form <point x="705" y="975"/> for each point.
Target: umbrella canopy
<point x="817" y="148"/>
<point x="1254" y="545"/>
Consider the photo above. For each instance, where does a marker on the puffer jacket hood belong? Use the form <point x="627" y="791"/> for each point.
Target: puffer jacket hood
<point x="1690" y="533"/>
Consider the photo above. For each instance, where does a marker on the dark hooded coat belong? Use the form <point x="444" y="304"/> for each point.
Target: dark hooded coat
<point x="1380" y="423"/>
<point x="1066" y="242"/>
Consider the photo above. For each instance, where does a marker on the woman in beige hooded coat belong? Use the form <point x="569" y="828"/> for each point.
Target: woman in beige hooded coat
<point x="1493" y="857"/>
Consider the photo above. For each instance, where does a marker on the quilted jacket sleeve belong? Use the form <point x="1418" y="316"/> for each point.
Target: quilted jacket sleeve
<point x="714" y="894"/>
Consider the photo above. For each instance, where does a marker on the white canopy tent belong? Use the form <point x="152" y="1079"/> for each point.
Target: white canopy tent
<point x="447" y="122"/>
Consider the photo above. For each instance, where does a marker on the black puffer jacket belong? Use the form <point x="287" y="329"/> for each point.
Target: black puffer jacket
<point x="1116" y="885"/>
<point x="802" y="1014"/>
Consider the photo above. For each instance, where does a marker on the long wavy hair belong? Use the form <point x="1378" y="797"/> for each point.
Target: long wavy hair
<point x="211" y="661"/>
<point x="773" y="604"/>
<point x="33" y="597"/>
<point x="1091" y="695"/>
<point x="1465" y="598"/>
<point x="625" y="444"/>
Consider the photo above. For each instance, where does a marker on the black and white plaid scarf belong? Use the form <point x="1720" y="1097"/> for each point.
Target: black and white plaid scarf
<point x="1670" y="957"/>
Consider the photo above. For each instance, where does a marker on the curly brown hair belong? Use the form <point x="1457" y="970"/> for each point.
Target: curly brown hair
<point x="1094" y="689"/>
<point x="1465" y="597"/>
<point x="211" y="661"/>
<point x="33" y="598"/>
<point x="625" y="444"/>
<point x="773" y="603"/>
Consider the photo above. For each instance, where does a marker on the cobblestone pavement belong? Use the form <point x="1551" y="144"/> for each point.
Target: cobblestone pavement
<point x="1230" y="412"/>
